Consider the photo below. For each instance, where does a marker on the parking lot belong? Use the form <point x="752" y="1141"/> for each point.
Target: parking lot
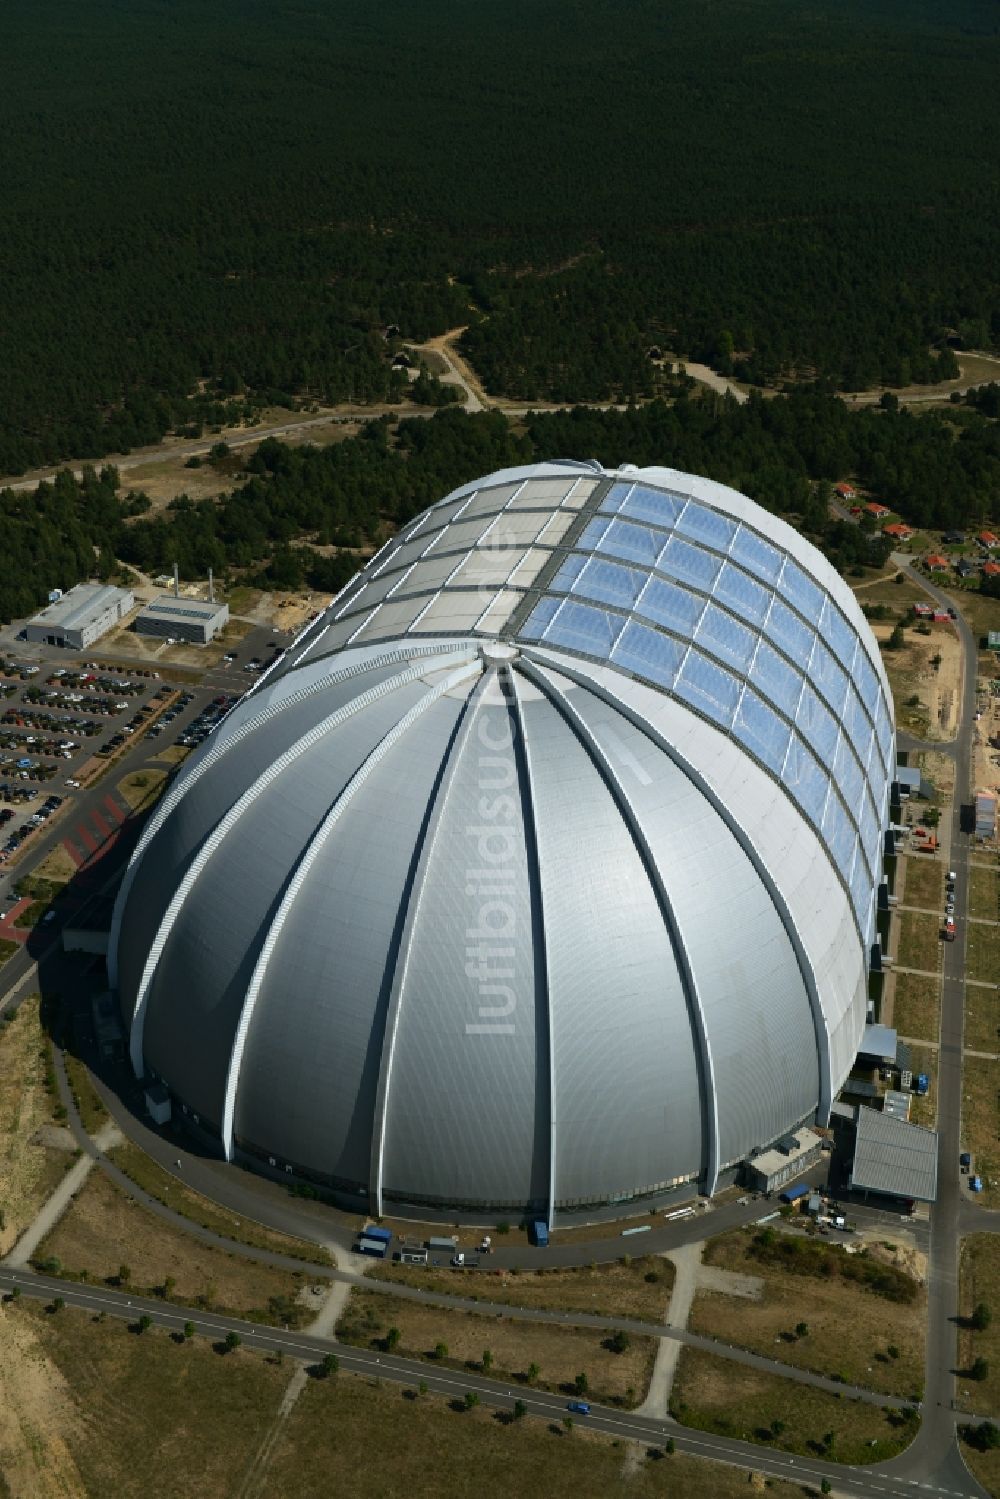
<point x="67" y="725"/>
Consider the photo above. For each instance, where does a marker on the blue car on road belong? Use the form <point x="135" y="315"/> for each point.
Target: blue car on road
<point x="579" y="1406"/>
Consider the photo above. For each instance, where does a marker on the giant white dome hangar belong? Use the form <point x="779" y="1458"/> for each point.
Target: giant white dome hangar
<point x="540" y="872"/>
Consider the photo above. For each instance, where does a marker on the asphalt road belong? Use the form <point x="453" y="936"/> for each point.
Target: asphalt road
<point x="454" y="1383"/>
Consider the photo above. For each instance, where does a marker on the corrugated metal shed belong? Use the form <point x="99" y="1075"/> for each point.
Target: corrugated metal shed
<point x="894" y="1158"/>
<point x="896" y="1103"/>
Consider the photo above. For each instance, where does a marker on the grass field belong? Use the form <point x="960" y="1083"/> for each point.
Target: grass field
<point x="28" y="1172"/>
<point x="923" y="1110"/>
<point x="89" y="1398"/>
<point x="919" y="942"/>
<point x="980" y="1282"/>
<point x="924" y="883"/>
<point x="980" y="1121"/>
<point x="613" y="1290"/>
<point x="982" y="1019"/>
<point x="7" y="949"/>
<point x="88" y="1102"/>
<point x="560" y="1353"/>
<point x="57" y="866"/>
<point x="423" y="1450"/>
<point x="142" y="787"/>
<point x="986" y="1467"/>
<point x="982" y="952"/>
<point x="984" y="894"/>
<point x="714" y="1395"/>
<point x="916" y="1009"/>
<point x="850" y="1328"/>
<point x="104" y="1230"/>
<point x="125" y="1397"/>
<point x="165" y="1188"/>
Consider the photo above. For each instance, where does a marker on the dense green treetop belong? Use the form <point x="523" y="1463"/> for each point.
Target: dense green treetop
<point x="210" y="205"/>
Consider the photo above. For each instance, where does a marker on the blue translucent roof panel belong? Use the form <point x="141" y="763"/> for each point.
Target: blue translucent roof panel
<point x="806" y="779"/>
<point x="720" y="633"/>
<point x="704" y="682"/>
<point x="652" y="505"/>
<point x="609" y="583"/>
<point x="745" y="597"/>
<point x="707" y="526"/>
<point x="580" y="627"/>
<point x="631" y="542"/>
<point x="817" y="725"/>
<point x="789" y="633"/>
<point x="779" y="681"/>
<point x="756" y="554"/>
<point x="801" y="591"/>
<point x="672" y="606"/>
<point x="648" y="654"/>
<point x="690" y="564"/>
<point x="762" y="731"/>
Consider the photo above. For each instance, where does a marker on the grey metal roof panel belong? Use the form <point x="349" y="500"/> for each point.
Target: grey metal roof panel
<point x="605" y="936"/>
<point x="310" y="1070"/>
<point x="894" y="1157"/>
<point x="79" y="605"/>
<point x="468" y="1106"/>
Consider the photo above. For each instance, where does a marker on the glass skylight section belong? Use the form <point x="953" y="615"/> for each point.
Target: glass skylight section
<point x="631" y="542"/>
<point x="679" y="559"/>
<point x="806" y="779"/>
<point x="580" y="627"/>
<point x="800" y="591"/>
<point x="817" y="726"/>
<point x="747" y="599"/>
<point x="650" y="504"/>
<point x="709" y="688"/>
<point x="720" y="634"/>
<point x="788" y="632"/>
<point x="672" y="606"/>
<point x="707" y="526"/>
<point x="762" y="731"/>
<point x="609" y="583"/>
<point x="647" y="653"/>
<point x="779" y="681"/>
<point x="756" y="554"/>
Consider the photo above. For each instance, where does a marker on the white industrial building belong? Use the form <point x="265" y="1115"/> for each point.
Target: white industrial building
<point x="80" y="616"/>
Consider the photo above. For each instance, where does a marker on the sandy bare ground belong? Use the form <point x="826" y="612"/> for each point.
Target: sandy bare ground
<point x="36" y="1415"/>
<point x="912" y="673"/>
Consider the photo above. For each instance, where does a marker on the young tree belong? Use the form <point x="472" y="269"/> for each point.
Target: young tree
<point x="981" y="1316"/>
<point x="487" y="1360"/>
<point x="471" y="1400"/>
<point x="533" y="1373"/>
<point x="520" y="1410"/>
<point x="582" y="1384"/>
<point x="801" y="1329"/>
<point x="330" y="1364"/>
<point x="145" y="1322"/>
<point x="232" y="1341"/>
<point x="392" y="1337"/>
<point x="124" y="1274"/>
<point x="58" y="1304"/>
<point x="188" y="1331"/>
<point x="980" y="1369"/>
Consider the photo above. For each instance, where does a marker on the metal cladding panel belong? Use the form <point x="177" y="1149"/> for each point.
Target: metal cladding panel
<point x="467" y="1114"/>
<point x="628" y="1107"/>
<point x="206" y="801"/>
<point x="311" y="1064"/>
<point x="237" y="894"/>
<point x="786" y="845"/>
<point x="757" y="1008"/>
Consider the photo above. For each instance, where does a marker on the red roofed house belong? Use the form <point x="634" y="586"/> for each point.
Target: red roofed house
<point x="901" y="532"/>
<point x="879" y="511"/>
<point x="846" y="491"/>
<point x="988" y="540"/>
<point x="991" y="569"/>
<point x="936" y="563"/>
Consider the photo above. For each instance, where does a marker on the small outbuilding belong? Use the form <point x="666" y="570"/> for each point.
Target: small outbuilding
<point x="792" y="1155"/>
<point x="893" y="1158"/>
